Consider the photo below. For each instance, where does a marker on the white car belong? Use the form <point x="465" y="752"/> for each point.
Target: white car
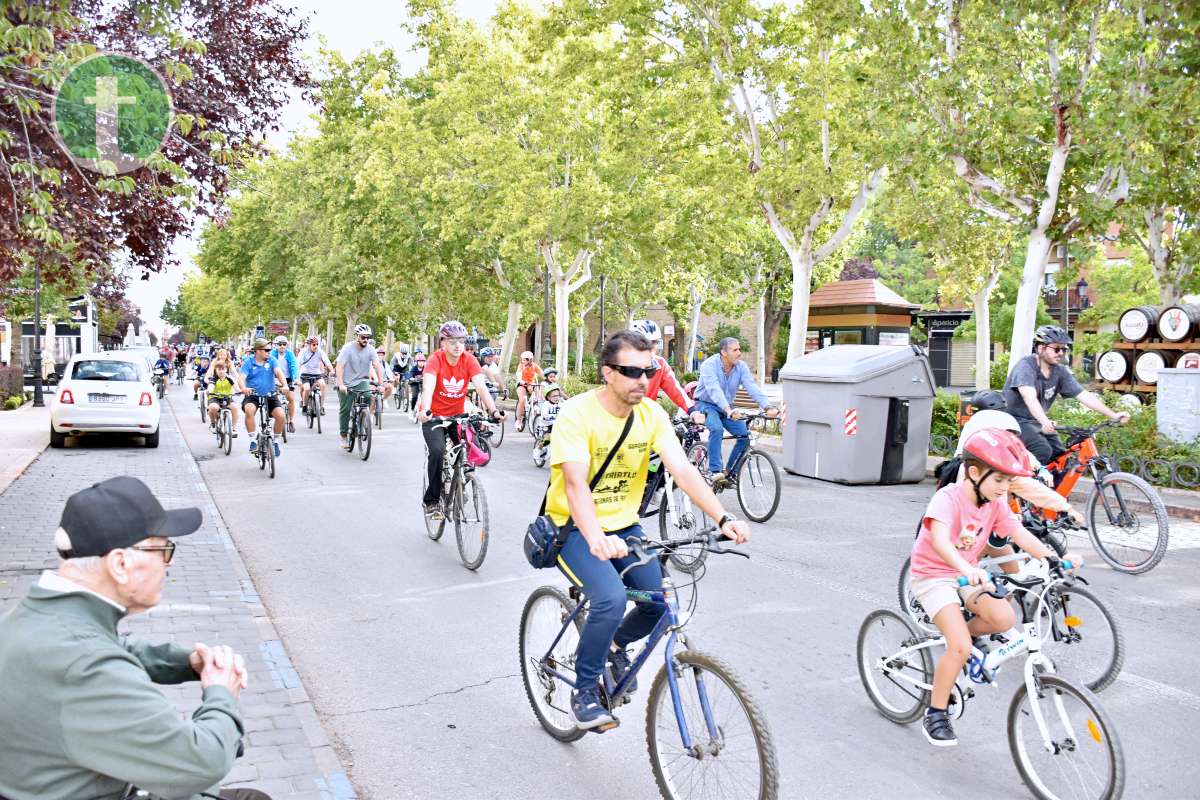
<point x="106" y="392"/>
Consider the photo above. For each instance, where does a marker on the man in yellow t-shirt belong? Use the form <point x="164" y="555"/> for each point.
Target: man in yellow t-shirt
<point x="604" y="519"/>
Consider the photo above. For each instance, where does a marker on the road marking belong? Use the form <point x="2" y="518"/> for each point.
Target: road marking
<point x="1161" y="690"/>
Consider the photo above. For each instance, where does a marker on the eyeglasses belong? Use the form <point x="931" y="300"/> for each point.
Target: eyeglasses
<point x="168" y="551"/>
<point x="634" y="373"/>
<point x="1058" y="348"/>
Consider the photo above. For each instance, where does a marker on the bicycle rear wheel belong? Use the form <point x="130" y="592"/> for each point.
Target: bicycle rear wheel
<point x="731" y="746"/>
<point x="545" y="613"/>
<point x="909" y="604"/>
<point x="758" y="485"/>
<point x="379" y="412"/>
<point x="497" y="433"/>
<point x="471" y="522"/>
<point x="698" y="455"/>
<point x="1127" y="522"/>
<point x="685" y="520"/>
<point x="1086" y="643"/>
<point x="364" y="434"/>
<point x="888" y="677"/>
<point x="284" y="432"/>
<point x="1086" y="761"/>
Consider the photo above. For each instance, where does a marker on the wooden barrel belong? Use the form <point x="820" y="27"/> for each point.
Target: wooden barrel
<point x="1138" y="323"/>
<point x="1147" y="365"/>
<point x="1188" y="360"/>
<point x="1177" y="323"/>
<point x="1113" y="366"/>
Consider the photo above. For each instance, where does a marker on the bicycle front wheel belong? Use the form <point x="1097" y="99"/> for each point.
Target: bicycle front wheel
<point x="364" y="435"/>
<point x="497" y="433"/>
<point x="890" y="675"/>
<point x="318" y="409"/>
<point x="1127" y="522"/>
<point x="546" y="612"/>
<point x="226" y="423"/>
<point x="758" y="486"/>
<point x="471" y="522"/>
<point x="270" y="457"/>
<point x="1083" y="758"/>
<point x="678" y="517"/>
<point x="731" y="745"/>
<point x="1085" y="642"/>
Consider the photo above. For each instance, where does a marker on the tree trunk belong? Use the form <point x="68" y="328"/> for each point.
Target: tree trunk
<point x="329" y="337"/>
<point x="983" y="332"/>
<point x="1162" y="257"/>
<point x="693" y="330"/>
<point x="680" y="351"/>
<point x="510" y="336"/>
<point x="802" y="267"/>
<point x="581" y="335"/>
<point x="566" y="282"/>
<point x="562" y="326"/>
<point x="1036" y="253"/>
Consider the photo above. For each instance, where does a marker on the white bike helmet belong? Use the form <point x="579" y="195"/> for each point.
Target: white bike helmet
<point x="404" y="349"/>
<point x="362" y="330"/>
<point x="648" y="328"/>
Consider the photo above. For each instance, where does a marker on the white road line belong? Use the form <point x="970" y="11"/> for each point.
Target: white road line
<point x="1161" y="690"/>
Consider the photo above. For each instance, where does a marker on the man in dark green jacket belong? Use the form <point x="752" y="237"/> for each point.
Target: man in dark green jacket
<point x="80" y="718"/>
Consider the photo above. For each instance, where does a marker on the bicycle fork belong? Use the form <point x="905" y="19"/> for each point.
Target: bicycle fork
<point x="715" y="743"/>
<point x="1035" y="665"/>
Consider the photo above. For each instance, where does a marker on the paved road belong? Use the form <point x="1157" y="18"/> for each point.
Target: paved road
<point x="411" y="660"/>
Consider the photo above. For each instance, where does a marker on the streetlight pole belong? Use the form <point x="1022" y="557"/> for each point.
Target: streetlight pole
<point x="38" y="400"/>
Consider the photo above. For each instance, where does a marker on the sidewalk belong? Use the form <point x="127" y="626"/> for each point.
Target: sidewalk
<point x="208" y="596"/>
<point x="24" y="433"/>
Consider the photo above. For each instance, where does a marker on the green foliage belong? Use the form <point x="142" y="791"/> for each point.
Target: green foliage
<point x="999" y="370"/>
<point x="945" y="415"/>
<point x="727" y="329"/>
<point x="13" y="403"/>
<point x="573" y="385"/>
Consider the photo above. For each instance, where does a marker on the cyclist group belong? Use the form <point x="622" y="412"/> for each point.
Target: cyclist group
<point x="600" y="453"/>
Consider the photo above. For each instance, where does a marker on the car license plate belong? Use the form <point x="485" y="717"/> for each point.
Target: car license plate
<point x="106" y="398"/>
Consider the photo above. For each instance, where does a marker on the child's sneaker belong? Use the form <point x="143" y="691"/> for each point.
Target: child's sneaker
<point x="937" y="729"/>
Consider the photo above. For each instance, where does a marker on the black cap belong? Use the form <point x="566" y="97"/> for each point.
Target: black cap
<point x="120" y="512"/>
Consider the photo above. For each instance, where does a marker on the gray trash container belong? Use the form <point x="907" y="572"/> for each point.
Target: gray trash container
<point x="858" y="414"/>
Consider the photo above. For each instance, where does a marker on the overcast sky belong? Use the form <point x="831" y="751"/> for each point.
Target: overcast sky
<point x="349" y="26"/>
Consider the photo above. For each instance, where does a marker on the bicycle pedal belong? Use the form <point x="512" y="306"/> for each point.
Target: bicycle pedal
<point x="608" y="726"/>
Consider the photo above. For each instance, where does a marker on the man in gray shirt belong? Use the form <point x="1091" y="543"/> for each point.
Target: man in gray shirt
<point x="1036" y="381"/>
<point x="356" y="365"/>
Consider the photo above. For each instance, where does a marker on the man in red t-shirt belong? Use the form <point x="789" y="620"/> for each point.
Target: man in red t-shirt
<point x="448" y="372"/>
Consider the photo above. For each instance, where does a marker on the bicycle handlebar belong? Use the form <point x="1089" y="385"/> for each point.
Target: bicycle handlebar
<point x="1001" y="579"/>
<point x="645" y="549"/>
<point x="1084" y="432"/>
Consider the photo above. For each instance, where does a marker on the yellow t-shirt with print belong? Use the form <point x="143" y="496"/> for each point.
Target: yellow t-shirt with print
<point x="584" y="433"/>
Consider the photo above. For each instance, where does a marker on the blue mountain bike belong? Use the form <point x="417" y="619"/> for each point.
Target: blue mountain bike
<point x="706" y="735"/>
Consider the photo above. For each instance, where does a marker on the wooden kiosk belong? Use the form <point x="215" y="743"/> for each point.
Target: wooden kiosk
<point x="862" y="311"/>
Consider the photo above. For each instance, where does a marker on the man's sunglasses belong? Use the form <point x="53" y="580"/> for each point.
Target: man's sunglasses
<point x="1058" y="348"/>
<point x="168" y="551"/>
<point x="634" y="373"/>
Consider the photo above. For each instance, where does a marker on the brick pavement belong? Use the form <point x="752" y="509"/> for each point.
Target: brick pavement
<point x="208" y="596"/>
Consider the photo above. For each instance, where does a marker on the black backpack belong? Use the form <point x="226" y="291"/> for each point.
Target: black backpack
<point x="946" y="472"/>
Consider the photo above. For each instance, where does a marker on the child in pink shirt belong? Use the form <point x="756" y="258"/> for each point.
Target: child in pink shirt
<point x="954" y="536"/>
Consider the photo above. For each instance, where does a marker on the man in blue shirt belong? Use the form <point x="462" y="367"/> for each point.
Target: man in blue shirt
<point x="257" y="380"/>
<point x="291" y="369"/>
<point x="720" y="377"/>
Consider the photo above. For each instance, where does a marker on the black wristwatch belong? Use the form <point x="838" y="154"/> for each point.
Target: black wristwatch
<point x="725" y="519"/>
